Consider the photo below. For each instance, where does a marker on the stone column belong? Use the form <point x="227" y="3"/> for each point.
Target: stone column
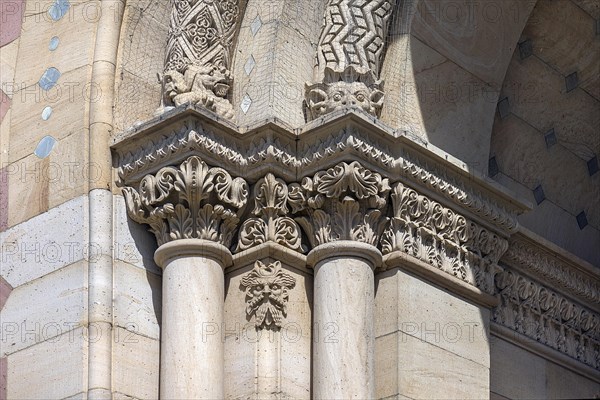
<point x="193" y="210"/>
<point x="343" y="218"/>
<point x="343" y="320"/>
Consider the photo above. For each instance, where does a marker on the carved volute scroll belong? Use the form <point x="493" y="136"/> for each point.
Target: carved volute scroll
<point x="189" y="201"/>
<point x="267" y="289"/>
<point x="443" y="238"/>
<point x="346" y="202"/>
<point x="349" y="57"/>
<point x="270" y="222"/>
<point x="198" y="53"/>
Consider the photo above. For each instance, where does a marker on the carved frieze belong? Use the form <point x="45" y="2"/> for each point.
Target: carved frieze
<point x="198" y="54"/>
<point x="267" y="289"/>
<point x="270" y="221"/>
<point x="220" y="144"/>
<point x="346" y="202"/>
<point x="550" y="268"/>
<point x="547" y="317"/>
<point x="189" y="201"/>
<point x="437" y="235"/>
<point x="348" y="57"/>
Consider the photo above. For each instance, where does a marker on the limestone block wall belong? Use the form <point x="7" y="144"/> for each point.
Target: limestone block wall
<point x="545" y="144"/>
<point x="444" y="68"/>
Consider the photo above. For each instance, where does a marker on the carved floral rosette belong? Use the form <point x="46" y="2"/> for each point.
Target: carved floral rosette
<point x="267" y="289"/>
<point x="547" y="317"/>
<point x="346" y="202"/>
<point x="270" y="222"/>
<point x="440" y="237"/>
<point x="189" y="201"/>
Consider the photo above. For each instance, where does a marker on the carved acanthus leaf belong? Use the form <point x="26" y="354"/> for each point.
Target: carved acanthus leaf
<point x="552" y="269"/>
<point x="547" y="317"/>
<point x="437" y="235"/>
<point x="332" y="202"/>
<point x="270" y="223"/>
<point x="191" y="201"/>
<point x="267" y="292"/>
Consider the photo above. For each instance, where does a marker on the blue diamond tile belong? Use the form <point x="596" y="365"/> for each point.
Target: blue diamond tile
<point x="525" y="49"/>
<point x="550" y="138"/>
<point x="571" y="81"/>
<point x="503" y="108"/>
<point x="582" y="220"/>
<point x="538" y="194"/>
<point x="493" y="167"/>
<point x="593" y="165"/>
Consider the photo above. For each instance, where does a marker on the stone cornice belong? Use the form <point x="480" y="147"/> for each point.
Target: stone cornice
<point x="544" y="315"/>
<point x="251" y="152"/>
<point x="535" y="257"/>
<point x="438" y="236"/>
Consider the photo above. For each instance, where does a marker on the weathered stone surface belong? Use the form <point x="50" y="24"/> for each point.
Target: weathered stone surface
<point x="134" y="244"/>
<point x="135" y="365"/>
<point x="46" y="243"/>
<point x="410" y="305"/>
<point x="487" y="37"/>
<point x="283" y="357"/>
<point x="419" y="370"/>
<point x="57" y="367"/>
<point x="69" y="117"/>
<point x="137" y="300"/>
<point x="517" y="373"/>
<point x="12" y="19"/>
<point x="574" y="46"/>
<point x="45" y="308"/>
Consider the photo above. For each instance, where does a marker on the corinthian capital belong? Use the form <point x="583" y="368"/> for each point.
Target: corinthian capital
<point x="189" y="201"/>
<point x="343" y="203"/>
<point x="270" y="223"/>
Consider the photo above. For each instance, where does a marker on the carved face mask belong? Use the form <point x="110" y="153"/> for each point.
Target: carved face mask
<point x="267" y="289"/>
<point x="325" y="98"/>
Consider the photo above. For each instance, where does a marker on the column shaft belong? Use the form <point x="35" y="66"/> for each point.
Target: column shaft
<point x="192" y="354"/>
<point x="343" y="351"/>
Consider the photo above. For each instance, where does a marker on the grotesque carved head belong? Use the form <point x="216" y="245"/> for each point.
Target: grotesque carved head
<point x="174" y="83"/>
<point x="198" y="84"/>
<point x="323" y="98"/>
<point x="267" y="290"/>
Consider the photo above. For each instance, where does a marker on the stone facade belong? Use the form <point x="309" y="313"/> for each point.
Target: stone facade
<point x="327" y="199"/>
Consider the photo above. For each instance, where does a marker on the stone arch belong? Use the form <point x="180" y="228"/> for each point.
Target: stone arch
<point x="453" y="57"/>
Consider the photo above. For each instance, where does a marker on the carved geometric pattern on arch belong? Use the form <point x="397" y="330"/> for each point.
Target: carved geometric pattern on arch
<point x="353" y="34"/>
<point x="201" y="31"/>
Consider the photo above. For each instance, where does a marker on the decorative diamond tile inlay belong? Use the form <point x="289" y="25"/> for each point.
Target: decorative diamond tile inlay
<point x="550" y="138"/>
<point x="249" y="66"/>
<point x="255" y="25"/>
<point x="538" y="194"/>
<point x="571" y="81"/>
<point x="525" y="49"/>
<point x="582" y="220"/>
<point x="246" y="103"/>
<point x="593" y="166"/>
<point x="503" y="109"/>
<point x="493" y="167"/>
